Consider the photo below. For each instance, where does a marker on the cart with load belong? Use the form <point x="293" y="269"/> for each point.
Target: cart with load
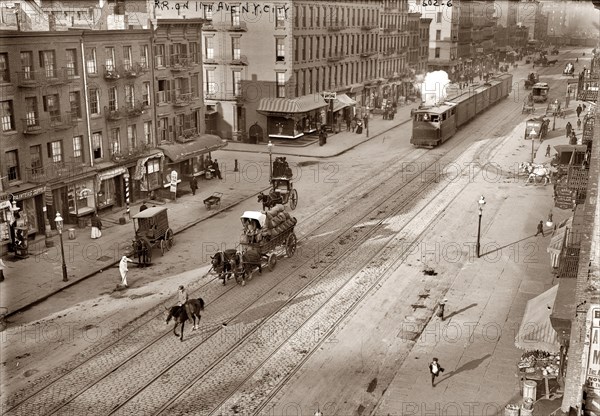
<point x="531" y="80"/>
<point x="265" y="237"/>
<point x="152" y="230"/>
<point x="540" y="92"/>
<point x="213" y="201"/>
<point x="528" y="107"/>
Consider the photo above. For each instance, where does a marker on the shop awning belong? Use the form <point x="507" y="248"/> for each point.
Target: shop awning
<point x="183" y="151"/>
<point x="563" y="311"/>
<point x="342" y="101"/>
<point x="356" y="88"/>
<point x="557" y="240"/>
<point x="560" y="148"/>
<point x="298" y="105"/>
<point x="536" y="331"/>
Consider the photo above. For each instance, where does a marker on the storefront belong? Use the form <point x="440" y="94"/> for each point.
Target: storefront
<point x="109" y="187"/>
<point x="293" y="118"/>
<point x="344" y="108"/>
<point x="81" y="200"/>
<point x="188" y="159"/>
<point x="146" y="175"/>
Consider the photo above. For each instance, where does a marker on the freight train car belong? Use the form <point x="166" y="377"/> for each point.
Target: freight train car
<point x="433" y="125"/>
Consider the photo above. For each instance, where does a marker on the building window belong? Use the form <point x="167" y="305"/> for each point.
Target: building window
<point x="97" y="145"/>
<point x="26" y="65"/>
<point x="164" y="87"/>
<point x="146" y="94"/>
<point x="4" y="72"/>
<point x="280" y="50"/>
<point x="209" y="47"/>
<point x="129" y="96"/>
<point x="280" y="17"/>
<point x="90" y="61"/>
<point x="437" y="52"/>
<point x="280" y="79"/>
<point x="147" y="132"/>
<point x="159" y="55"/>
<point x="438" y="35"/>
<point x="31" y="111"/>
<point x="195" y="85"/>
<point x="94" y="101"/>
<point x="35" y="157"/>
<point x="144" y="56"/>
<point x="52" y="106"/>
<point x="7" y="115"/>
<point x="78" y="148"/>
<point x="194" y="52"/>
<point x="208" y="12"/>
<point x="115" y="141"/>
<point x="55" y="151"/>
<point x="211" y="87"/>
<point x="131" y="136"/>
<point x="12" y="165"/>
<point x="48" y="62"/>
<point x="236" y="52"/>
<point x="163" y="129"/>
<point x="113" y="105"/>
<point x="438" y="17"/>
<point x="235" y="17"/>
<point x="109" y="58"/>
<point x="72" y="63"/>
<point x="75" y="104"/>
<point x="127" y="58"/>
<point x="237" y="80"/>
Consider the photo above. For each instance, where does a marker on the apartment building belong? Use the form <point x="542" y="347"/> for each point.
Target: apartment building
<point x="96" y="119"/>
<point x="266" y="69"/>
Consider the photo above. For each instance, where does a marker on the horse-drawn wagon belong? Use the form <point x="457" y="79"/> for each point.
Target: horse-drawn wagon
<point x="152" y="230"/>
<point x="540" y="92"/>
<point x="532" y="79"/>
<point x="569" y="69"/>
<point x="528" y="107"/>
<point x="265" y="237"/>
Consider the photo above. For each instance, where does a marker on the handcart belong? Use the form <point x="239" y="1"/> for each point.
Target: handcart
<point x="214" y="200"/>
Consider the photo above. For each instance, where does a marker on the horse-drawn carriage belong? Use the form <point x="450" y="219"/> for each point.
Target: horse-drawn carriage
<point x="540" y="91"/>
<point x="152" y="229"/>
<point x="569" y="69"/>
<point x="528" y="107"/>
<point x="531" y="80"/>
<point x="264" y="238"/>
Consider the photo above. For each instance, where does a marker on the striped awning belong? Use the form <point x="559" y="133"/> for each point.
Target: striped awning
<point x="298" y="105"/>
<point x="342" y="101"/>
<point x="205" y="143"/>
<point x="536" y="331"/>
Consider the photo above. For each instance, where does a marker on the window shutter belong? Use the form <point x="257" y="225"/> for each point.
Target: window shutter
<point x="45" y="103"/>
<point x="49" y="145"/>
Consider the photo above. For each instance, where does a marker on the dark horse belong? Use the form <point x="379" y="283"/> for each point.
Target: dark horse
<point x="141" y="250"/>
<point x="270" y="200"/>
<point x="227" y="263"/>
<point x="181" y="314"/>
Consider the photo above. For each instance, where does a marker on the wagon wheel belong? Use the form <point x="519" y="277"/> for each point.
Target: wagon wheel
<point x="169" y="237"/>
<point x="163" y="246"/>
<point x="272" y="261"/>
<point x="293" y="199"/>
<point x="290" y="245"/>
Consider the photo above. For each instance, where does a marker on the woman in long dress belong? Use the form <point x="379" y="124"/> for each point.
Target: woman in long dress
<point x="96" y="227"/>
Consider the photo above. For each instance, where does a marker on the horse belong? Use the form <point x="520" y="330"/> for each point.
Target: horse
<point x="270" y="200"/>
<point x="227" y="263"/>
<point x="141" y="251"/>
<point x="181" y="314"/>
<point x="251" y="261"/>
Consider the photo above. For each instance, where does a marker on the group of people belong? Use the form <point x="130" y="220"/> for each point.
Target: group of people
<point x="281" y="168"/>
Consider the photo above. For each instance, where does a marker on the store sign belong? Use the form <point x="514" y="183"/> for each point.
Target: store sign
<point x="30" y="193"/>
<point x="329" y="95"/>
<point x="85" y="192"/>
<point x="593" y="364"/>
<point x="173" y="181"/>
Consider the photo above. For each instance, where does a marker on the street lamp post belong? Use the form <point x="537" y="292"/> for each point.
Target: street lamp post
<point x="532" y="135"/>
<point x="481" y="203"/>
<point x="554" y="121"/>
<point x="270" y="146"/>
<point x="59" y="227"/>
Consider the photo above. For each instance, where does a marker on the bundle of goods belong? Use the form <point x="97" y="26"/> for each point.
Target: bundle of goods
<point x="277" y="221"/>
<point x="540" y="362"/>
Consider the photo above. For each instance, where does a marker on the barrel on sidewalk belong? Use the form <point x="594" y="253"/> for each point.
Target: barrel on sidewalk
<point x="529" y="390"/>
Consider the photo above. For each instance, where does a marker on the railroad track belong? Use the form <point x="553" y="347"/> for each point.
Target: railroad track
<point x="131" y="357"/>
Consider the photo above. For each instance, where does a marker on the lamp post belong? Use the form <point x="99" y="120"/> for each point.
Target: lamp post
<point x="481" y="203"/>
<point x="532" y="135"/>
<point x="59" y="227"/>
<point x="270" y="146"/>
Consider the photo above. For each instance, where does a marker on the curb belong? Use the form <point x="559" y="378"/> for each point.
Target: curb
<point x="110" y="265"/>
<point x="326" y="156"/>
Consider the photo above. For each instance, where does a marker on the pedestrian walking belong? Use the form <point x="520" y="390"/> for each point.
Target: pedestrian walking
<point x="579" y="110"/>
<point x="435" y="369"/>
<point x="568" y="129"/>
<point x="548" y="151"/>
<point x="96" y="226"/>
<point x="540" y="229"/>
<point x="359" y="127"/>
<point x="441" y="308"/>
<point x="123" y="269"/>
<point x="215" y="166"/>
<point x="143" y="207"/>
<point x="347" y="123"/>
<point x="578" y="124"/>
<point x="322" y="136"/>
<point x="193" y="185"/>
<point x="353" y="124"/>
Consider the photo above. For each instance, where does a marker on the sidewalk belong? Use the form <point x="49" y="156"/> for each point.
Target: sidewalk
<point x="32" y="280"/>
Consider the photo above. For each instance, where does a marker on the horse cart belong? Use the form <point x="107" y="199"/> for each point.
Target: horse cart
<point x="528" y="107"/>
<point x="531" y="80"/>
<point x="284" y="187"/>
<point x="152" y="230"/>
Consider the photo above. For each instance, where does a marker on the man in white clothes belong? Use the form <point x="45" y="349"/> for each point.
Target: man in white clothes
<point x="123" y="269"/>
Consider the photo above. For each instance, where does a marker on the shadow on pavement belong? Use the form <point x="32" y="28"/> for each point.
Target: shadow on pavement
<point x="472" y="305"/>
